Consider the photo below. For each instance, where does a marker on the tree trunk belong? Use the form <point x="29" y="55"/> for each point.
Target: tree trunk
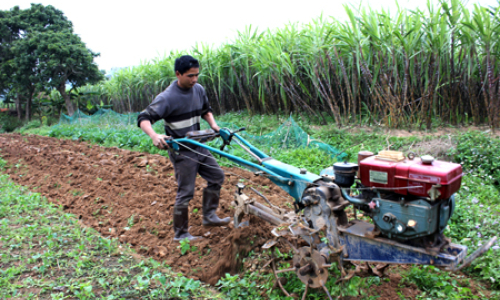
<point x="18" y="107"/>
<point x="27" y="117"/>
<point x="67" y="100"/>
<point x="28" y="106"/>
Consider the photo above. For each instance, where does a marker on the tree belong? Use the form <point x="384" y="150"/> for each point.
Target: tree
<point x="64" y="58"/>
<point x="40" y="52"/>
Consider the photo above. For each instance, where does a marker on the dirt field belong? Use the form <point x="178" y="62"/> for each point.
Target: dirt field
<point x="130" y="196"/>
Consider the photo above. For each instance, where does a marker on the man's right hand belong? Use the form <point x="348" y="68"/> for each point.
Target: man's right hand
<point x="159" y="141"/>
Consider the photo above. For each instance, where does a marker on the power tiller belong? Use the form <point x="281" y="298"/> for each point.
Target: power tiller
<point x="409" y="200"/>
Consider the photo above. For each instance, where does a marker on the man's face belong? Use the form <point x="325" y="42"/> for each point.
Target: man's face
<point x="188" y="79"/>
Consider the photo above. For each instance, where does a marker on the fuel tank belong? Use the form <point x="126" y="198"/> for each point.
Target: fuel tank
<point x="415" y="176"/>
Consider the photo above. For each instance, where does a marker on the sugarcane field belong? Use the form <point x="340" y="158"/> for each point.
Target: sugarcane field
<point x="353" y="155"/>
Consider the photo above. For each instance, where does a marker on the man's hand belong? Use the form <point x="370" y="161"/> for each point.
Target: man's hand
<point x="159" y="141"/>
<point x="216" y="128"/>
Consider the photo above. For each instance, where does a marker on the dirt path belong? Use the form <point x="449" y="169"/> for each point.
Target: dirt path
<point x="130" y="196"/>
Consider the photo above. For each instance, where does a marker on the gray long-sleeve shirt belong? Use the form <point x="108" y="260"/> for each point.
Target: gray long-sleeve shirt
<point x="181" y="109"/>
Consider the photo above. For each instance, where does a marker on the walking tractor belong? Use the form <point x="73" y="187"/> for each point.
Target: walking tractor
<point x="409" y="200"/>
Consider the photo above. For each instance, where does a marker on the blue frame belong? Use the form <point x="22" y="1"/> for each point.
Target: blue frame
<point x="285" y="176"/>
<point x="362" y="246"/>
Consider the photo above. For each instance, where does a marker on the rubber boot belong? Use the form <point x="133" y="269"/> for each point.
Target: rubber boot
<point x="210" y="205"/>
<point x="181" y="222"/>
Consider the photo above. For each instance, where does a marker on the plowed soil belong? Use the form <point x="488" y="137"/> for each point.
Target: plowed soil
<point x="130" y="196"/>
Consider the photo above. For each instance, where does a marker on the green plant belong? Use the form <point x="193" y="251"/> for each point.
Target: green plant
<point x="182" y="287"/>
<point x="76" y="193"/>
<point x="66" y="259"/>
<point x="186" y="247"/>
<point x="239" y="288"/>
<point x="150" y="169"/>
<point x="9" y="123"/>
<point x="477" y="152"/>
<point x="438" y="284"/>
<point x="30" y="125"/>
<point x="130" y="221"/>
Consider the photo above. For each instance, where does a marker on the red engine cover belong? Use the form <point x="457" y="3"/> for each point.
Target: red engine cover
<point x="407" y="173"/>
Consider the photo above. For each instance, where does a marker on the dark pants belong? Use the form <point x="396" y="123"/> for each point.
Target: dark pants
<point x="187" y="165"/>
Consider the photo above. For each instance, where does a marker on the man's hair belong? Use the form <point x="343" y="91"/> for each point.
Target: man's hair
<point x="184" y="63"/>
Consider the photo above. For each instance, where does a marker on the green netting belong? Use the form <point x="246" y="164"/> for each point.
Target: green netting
<point x="101" y="117"/>
<point x="288" y="135"/>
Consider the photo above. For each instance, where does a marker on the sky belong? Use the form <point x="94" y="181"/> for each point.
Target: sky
<point x="128" y="33"/>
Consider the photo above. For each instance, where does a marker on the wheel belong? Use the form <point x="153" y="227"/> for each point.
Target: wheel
<point x="311" y="268"/>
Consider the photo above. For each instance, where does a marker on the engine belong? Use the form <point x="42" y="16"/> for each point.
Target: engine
<point x="408" y="198"/>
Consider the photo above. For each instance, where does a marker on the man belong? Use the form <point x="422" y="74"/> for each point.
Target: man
<point x="181" y="106"/>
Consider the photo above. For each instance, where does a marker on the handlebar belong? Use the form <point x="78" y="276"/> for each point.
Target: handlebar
<point x="227" y="136"/>
<point x="286" y="176"/>
<point x="202" y="135"/>
<point x="206" y="135"/>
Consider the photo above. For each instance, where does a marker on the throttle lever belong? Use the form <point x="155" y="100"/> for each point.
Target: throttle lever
<point x="241" y="129"/>
<point x="227" y="136"/>
<point x="170" y="143"/>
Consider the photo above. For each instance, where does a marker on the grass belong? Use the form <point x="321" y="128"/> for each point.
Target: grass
<point x="475" y="220"/>
<point x="46" y="254"/>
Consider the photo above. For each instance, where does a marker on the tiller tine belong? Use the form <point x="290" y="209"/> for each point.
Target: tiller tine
<point x="269" y="244"/>
<point x="379" y="269"/>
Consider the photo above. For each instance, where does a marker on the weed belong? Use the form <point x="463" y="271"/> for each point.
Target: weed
<point x="239" y="288"/>
<point x="76" y="193"/>
<point x="130" y="221"/>
<point x="150" y="169"/>
<point x="436" y="283"/>
<point x="186" y="247"/>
